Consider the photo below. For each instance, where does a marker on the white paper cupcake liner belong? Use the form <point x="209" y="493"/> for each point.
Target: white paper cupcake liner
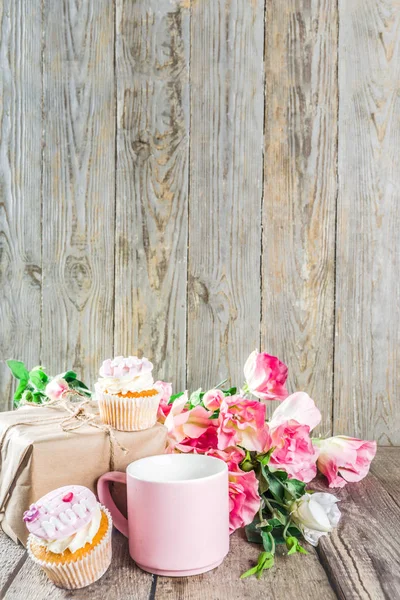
<point x="128" y="414"/>
<point x="75" y="574"/>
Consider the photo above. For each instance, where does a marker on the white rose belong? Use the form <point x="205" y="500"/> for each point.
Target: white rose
<point x="316" y="515"/>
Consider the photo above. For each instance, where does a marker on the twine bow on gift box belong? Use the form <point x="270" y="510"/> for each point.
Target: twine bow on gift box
<point x="77" y="417"/>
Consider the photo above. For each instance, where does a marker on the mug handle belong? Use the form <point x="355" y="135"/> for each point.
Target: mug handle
<point x="103" y="491"/>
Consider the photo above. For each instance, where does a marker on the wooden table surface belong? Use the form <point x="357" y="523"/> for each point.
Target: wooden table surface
<point x="361" y="559"/>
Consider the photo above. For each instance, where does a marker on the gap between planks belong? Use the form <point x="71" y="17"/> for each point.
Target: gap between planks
<point x="7" y="584"/>
<point x="153" y="588"/>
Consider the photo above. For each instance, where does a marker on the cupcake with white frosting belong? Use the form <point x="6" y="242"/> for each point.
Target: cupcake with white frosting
<point x="127" y="397"/>
<point x="70" y="536"/>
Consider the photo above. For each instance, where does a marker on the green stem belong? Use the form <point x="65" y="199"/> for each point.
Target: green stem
<point x="286" y="528"/>
<point x="268" y="505"/>
<point x="271" y="537"/>
<point x="276" y="502"/>
<point x="221" y="383"/>
<point x="245" y="390"/>
<point x="260" y="515"/>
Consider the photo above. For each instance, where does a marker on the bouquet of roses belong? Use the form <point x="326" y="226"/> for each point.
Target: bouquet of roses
<point x="269" y="463"/>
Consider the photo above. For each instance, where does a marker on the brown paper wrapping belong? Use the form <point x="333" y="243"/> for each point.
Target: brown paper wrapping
<point x="38" y="457"/>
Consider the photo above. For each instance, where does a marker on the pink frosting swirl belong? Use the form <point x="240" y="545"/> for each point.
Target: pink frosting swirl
<point x="132" y="366"/>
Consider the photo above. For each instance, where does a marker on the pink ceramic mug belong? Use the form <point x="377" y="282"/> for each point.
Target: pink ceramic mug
<point x="178" y="512"/>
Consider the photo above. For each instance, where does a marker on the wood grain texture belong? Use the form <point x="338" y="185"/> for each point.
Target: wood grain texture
<point x="122" y="581"/>
<point x="361" y="557"/>
<point x="290" y="573"/>
<point x="367" y="363"/>
<point x="12" y="557"/>
<point x="152" y="56"/>
<point x="78" y="186"/>
<point x="20" y="187"/>
<point x="386" y="468"/>
<point x="226" y="141"/>
<point x="300" y="193"/>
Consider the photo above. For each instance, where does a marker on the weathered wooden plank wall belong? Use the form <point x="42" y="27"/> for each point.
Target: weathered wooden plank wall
<point x="78" y="184"/>
<point x="192" y="179"/>
<point x="226" y="140"/>
<point x="367" y="355"/>
<point x="152" y="61"/>
<point x="300" y="193"/>
<point x="20" y="186"/>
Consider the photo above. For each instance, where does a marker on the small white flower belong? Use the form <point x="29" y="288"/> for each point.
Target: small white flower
<point x="316" y="515"/>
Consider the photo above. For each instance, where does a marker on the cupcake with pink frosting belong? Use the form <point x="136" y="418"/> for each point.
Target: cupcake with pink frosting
<point x="70" y="536"/>
<point x="125" y="391"/>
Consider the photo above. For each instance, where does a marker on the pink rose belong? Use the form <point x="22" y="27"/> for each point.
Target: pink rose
<point x="344" y="459"/>
<point x="300" y="407"/>
<point x="166" y="392"/>
<point x="56" y="388"/>
<point x="265" y="376"/>
<point x="242" y="422"/>
<point x="182" y="423"/>
<point x="294" y="451"/>
<point x="233" y="456"/>
<point x="212" y="399"/>
<point x="192" y="423"/>
<point x="202" y="444"/>
<point x="244" y="500"/>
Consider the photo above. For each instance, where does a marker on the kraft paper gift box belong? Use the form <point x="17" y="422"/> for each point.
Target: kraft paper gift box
<point x="37" y="455"/>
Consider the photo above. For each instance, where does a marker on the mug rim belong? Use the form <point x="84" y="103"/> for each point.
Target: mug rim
<point x="178" y="457"/>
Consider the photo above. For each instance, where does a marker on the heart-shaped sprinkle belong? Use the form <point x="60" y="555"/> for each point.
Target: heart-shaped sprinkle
<point x="68" y="497"/>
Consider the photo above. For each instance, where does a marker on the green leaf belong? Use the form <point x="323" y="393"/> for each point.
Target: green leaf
<point x="264" y="527"/>
<point x="23" y="393"/>
<point x="27" y="396"/>
<point x="296" y="488"/>
<point x="295" y="531"/>
<point x="250" y="572"/>
<point x="82" y="385"/>
<point x="294" y="546"/>
<point x="69" y="376"/>
<point x="175" y="397"/>
<point x="38" y="378"/>
<point x="20" y="390"/>
<point x="278" y="534"/>
<point x="268" y="541"/>
<point x="215" y="415"/>
<point x="75" y="383"/>
<point x="247" y="462"/>
<point x="281" y="475"/>
<point x="265" y="561"/>
<point x="38" y="398"/>
<point x="18" y="369"/>
<point x="263" y="459"/>
<point x="253" y="534"/>
<point x="263" y="485"/>
<point x="278" y="519"/>
<point x="79" y="386"/>
<point x="276" y="488"/>
<point x="195" y="398"/>
<point x="231" y="392"/>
